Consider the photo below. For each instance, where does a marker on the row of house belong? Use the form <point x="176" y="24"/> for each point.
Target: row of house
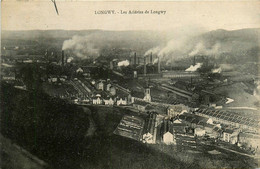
<point x="204" y="126"/>
<point x="207" y="127"/>
<point x="98" y="100"/>
<point x="170" y="111"/>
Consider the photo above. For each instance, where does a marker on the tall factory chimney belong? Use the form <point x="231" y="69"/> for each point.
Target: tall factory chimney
<point x="194" y="61"/>
<point x="62" y="57"/>
<point x="135" y="59"/>
<point x="159" y="65"/>
<point x="144" y="66"/>
<point x="151" y="58"/>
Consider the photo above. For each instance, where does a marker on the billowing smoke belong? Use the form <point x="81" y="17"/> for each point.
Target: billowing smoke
<point x="181" y="42"/>
<point x="155" y="61"/>
<point x="155" y="50"/>
<point x="216" y="70"/>
<point x="173" y="47"/>
<point x="194" y="68"/>
<point x="123" y="63"/>
<point x="81" y="46"/>
<point x="69" y="59"/>
<point x="201" y="49"/>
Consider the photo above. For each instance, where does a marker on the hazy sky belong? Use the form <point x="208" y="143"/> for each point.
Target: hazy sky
<point x="81" y="15"/>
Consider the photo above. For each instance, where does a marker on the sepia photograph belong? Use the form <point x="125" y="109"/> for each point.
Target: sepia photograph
<point x="129" y="85"/>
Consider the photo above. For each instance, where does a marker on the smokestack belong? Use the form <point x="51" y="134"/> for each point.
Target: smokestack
<point x="194" y="61"/>
<point x="151" y="58"/>
<point x="159" y="65"/>
<point x="62" y="57"/>
<point x="144" y="66"/>
<point x="135" y="59"/>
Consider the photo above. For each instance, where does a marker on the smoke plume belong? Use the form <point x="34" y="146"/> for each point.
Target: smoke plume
<point x="201" y="49"/>
<point x="217" y="70"/>
<point x="69" y="59"/>
<point x="193" y="68"/>
<point x="81" y="46"/>
<point x="123" y="63"/>
<point x="172" y="48"/>
<point x="155" y="50"/>
<point x="155" y="61"/>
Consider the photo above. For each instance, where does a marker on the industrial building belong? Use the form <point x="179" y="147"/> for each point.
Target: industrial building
<point x="150" y="130"/>
<point x="230" y="119"/>
<point x="167" y="132"/>
<point x="130" y="127"/>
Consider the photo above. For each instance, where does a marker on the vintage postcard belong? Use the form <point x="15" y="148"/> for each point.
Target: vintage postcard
<point x="135" y="85"/>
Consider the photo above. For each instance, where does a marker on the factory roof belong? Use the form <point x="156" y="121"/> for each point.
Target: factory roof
<point x="150" y="123"/>
<point x="130" y="126"/>
<point x="230" y="116"/>
<point x="167" y="127"/>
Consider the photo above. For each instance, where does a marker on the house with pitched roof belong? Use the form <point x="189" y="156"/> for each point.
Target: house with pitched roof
<point x="168" y="133"/>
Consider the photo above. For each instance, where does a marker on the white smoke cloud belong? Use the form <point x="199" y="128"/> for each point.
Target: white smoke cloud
<point x="155" y="50"/>
<point x="194" y="68"/>
<point x="179" y="45"/>
<point x="155" y="61"/>
<point x="201" y="49"/>
<point x="81" y="46"/>
<point x="69" y="59"/>
<point x="123" y="63"/>
<point x="217" y="70"/>
<point x="175" y="45"/>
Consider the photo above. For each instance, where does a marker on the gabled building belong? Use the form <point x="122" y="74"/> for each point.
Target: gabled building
<point x="79" y="70"/>
<point x="100" y="85"/>
<point x="108" y="86"/>
<point x="97" y="99"/>
<point x="168" y="133"/>
<point x="121" y="101"/>
<point x="109" y="101"/>
<point x="147" y="94"/>
<point x="179" y="126"/>
<point x="112" y="90"/>
<point x="199" y="132"/>
<point x="230" y="136"/>
<point x="122" y="98"/>
<point x="174" y="110"/>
